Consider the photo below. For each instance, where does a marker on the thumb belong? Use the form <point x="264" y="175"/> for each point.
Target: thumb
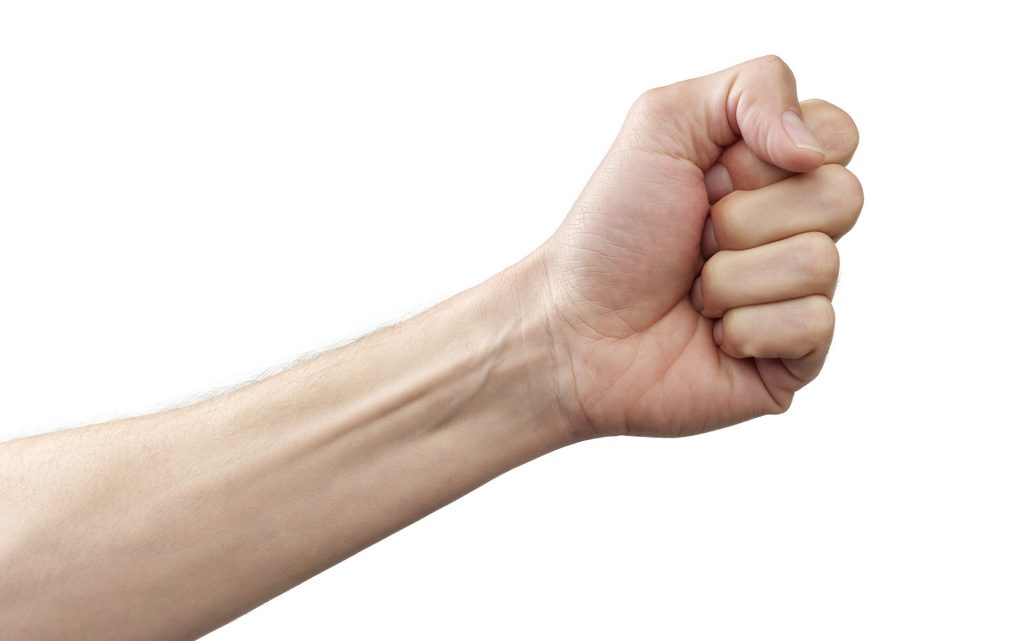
<point x="755" y="100"/>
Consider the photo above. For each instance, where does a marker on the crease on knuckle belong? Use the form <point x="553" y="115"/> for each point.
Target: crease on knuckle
<point x="842" y="194"/>
<point x="848" y="135"/>
<point x="818" y="259"/>
<point x="818" y="321"/>
<point x="776" y="64"/>
<point x="855" y="195"/>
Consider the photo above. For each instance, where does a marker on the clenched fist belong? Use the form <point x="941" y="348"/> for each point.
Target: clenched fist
<point x="690" y="286"/>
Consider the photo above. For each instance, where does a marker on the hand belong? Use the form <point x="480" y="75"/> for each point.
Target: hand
<point x="649" y="338"/>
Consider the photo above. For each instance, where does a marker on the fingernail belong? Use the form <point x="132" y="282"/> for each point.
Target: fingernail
<point x="717" y="331"/>
<point x="717" y="181"/>
<point x="697" y="295"/>
<point x="799" y="133"/>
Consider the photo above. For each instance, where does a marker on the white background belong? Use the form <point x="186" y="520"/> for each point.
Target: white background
<point x="193" y="192"/>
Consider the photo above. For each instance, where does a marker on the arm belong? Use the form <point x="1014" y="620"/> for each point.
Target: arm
<point x="167" y="526"/>
<point x="649" y="311"/>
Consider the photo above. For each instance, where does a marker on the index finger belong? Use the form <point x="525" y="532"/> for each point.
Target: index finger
<point x="739" y="168"/>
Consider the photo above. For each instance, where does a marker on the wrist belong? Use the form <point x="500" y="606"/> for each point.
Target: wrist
<point x="532" y="357"/>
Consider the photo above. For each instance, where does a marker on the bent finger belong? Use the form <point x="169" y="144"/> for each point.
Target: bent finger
<point x="790" y="338"/>
<point x="740" y="168"/>
<point x="791" y="268"/>
<point x="828" y="200"/>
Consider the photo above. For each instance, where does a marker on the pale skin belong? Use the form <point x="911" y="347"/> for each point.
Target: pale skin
<point x="688" y="289"/>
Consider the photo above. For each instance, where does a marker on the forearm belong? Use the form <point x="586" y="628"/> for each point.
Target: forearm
<point x="166" y="526"/>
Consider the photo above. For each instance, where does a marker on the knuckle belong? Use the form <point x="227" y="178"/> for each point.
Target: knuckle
<point x="819" y="257"/>
<point x="652" y="104"/>
<point x="843" y="190"/>
<point x="725" y="216"/>
<point x="773" y="61"/>
<point x="836" y="126"/>
<point x="736" y="347"/>
<point x="816" y="104"/>
<point x="774" y="64"/>
<point x="848" y="135"/>
<point x="783" y="400"/>
<point x="735" y="340"/>
<point x="819" y="319"/>
<point x="855" y="195"/>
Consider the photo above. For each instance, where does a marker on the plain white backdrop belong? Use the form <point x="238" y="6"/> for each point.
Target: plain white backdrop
<point x="194" y="192"/>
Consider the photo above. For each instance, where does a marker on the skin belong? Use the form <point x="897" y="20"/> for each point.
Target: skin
<point x="649" y="311"/>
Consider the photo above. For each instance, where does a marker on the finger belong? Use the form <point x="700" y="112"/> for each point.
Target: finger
<point x="798" y="332"/>
<point x="794" y="267"/>
<point x="828" y="199"/>
<point x="697" y="119"/>
<point x="739" y="168"/>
